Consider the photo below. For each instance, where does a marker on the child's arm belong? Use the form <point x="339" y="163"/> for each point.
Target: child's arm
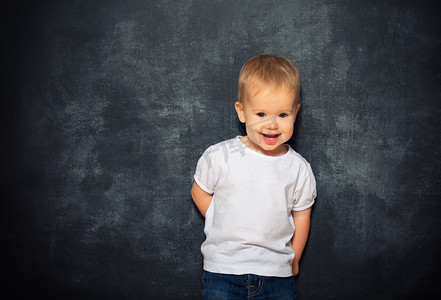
<point x="201" y="198"/>
<point x="298" y="241"/>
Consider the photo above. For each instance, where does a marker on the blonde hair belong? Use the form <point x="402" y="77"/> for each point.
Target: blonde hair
<point x="268" y="71"/>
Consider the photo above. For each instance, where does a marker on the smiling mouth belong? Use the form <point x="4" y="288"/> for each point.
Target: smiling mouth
<point x="271" y="136"/>
<point x="270" y="139"/>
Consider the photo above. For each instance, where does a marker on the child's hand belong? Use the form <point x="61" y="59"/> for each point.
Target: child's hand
<point x="295" y="268"/>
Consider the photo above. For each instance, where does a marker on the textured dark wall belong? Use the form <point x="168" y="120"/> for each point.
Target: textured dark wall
<point x="107" y="106"/>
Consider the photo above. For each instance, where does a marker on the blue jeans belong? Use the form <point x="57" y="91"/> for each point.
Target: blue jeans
<point x="249" y="286"/>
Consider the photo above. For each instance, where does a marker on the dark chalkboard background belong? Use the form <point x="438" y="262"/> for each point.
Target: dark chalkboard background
<point x="107" y="106"/>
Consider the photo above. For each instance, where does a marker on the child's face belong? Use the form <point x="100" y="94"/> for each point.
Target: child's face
<point x="269" y="119"/>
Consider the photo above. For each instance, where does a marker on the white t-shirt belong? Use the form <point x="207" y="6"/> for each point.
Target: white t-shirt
<point x="249" y="222"/>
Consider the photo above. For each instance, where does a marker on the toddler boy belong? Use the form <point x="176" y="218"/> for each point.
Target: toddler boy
<point x="256" y="192"/>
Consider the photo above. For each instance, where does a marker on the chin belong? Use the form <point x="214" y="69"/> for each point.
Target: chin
<point x="270" y="148"/>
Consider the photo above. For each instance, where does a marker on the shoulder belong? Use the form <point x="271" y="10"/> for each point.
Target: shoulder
<point x="221" y="150"/>
<point x="227" y="144"/>
<point x="297" y="157"/>
<point x="300" y="162"/>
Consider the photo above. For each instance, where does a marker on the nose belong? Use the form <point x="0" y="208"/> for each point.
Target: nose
<point x="272" y="123"/>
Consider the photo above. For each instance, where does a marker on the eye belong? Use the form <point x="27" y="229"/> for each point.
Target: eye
<point x="261" y="114"/>
<point x="283" y="115"/>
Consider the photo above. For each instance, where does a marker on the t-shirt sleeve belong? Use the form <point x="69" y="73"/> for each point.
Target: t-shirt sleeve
<point x="305" y="192"/>
<point x="205" y="171"/>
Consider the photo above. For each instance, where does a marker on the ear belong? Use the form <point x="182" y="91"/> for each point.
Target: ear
<point x="296" y="111"/>
<point x="240" y="111"/>
<point x="297" y="108"/>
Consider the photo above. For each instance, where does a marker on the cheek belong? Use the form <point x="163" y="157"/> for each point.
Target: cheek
<point x="288" y="126"/>
<point x="254" y="122"/>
